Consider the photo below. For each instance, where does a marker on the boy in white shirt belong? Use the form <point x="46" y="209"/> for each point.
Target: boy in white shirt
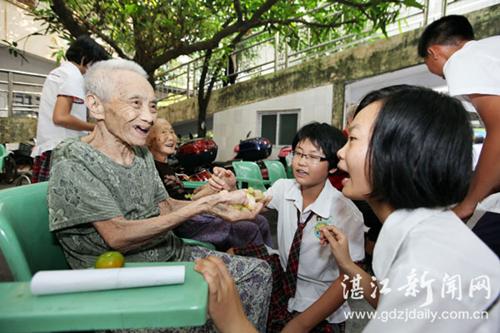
<point x="311" y="298"/>
<point x="62" y="112"/>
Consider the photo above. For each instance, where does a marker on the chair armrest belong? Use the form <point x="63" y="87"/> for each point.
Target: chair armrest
<point x="193" y="242"/>
<point x="193" y="184"/>
<point x="253" y="180"/>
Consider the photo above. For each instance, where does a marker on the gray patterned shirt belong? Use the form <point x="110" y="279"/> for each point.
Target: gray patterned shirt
<point x="86" y="186"/>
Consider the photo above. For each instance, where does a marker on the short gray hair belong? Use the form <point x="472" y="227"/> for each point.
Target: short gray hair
<point x="97" y="81"/>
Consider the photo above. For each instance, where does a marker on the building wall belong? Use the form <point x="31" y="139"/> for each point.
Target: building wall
<point x="232" y="125"/>
<point x="350" y="74"/>
<point x="343" y="72"/>
<point x="16" y="25"/>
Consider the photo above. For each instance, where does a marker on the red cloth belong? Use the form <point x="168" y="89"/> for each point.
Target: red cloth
<point x="293" y="257"/>
<point x="337" y="178"/>
<point x="41" y="168"/>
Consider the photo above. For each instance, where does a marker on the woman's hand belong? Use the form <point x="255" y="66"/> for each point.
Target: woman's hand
<point x="173" y="183"/>
<point x="339" y="245"/>
<point x="222" y="179"/>
<point x="224" y="304"/>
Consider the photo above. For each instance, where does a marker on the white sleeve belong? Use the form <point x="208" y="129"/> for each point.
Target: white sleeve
<point x="276" y="191"/>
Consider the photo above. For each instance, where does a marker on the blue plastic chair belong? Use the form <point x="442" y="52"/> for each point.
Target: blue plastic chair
<point x="249" y="172"/>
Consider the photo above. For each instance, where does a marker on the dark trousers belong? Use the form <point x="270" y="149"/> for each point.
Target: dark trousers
<point x="488" y="230"/>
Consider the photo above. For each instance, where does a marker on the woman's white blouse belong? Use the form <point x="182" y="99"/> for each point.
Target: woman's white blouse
<point x="432" y="271"/>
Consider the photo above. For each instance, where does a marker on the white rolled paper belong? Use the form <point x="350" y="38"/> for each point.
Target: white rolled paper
<point x="70" y="281"/>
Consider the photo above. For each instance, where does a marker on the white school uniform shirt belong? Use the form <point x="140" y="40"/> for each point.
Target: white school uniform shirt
<point x="475" y="69"/>
<point x="65" y="80"/>
<point x="317" y="267"/>
<point x="430" y="259"/>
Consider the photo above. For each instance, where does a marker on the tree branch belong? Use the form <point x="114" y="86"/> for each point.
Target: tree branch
<point x="76" y="29"/>
<point x="239" y="26"/>
<point x="67" y="19"/>
<point x="366" y="4"/>
<point x="237" y="8"/>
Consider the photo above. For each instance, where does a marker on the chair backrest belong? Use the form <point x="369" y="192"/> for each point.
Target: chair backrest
<point x="275" y="170"/>
<point x="249" y="172"/>
<point x="3" y="154"/>
<point x="25" y="239"/>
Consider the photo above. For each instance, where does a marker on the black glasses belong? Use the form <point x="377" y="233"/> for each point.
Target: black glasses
<point x="312" y="159"/>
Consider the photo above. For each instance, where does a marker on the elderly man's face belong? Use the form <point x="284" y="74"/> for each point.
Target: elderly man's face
<point x="131" y="112"/>
<point x="163" y="138"/>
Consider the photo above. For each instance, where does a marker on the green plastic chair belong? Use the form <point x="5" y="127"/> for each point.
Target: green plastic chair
<point x="25" y="239"/>
<point x="28" y="247"/>
<point x="275" y="170"/>
<point x="3" y="155"/>
<point x="148" y="307"/>
<point x="193" y="184"/>
<point x="249" y="172"/>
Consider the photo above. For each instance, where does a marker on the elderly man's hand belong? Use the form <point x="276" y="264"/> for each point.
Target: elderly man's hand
<point x="222" y="206"/>
<point x="222" y="179"/>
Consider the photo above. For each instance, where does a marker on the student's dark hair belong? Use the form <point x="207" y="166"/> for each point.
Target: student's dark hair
<point x="420" y="152"/>
<point x="330" y="139"/>
<point x="448" y="30"/>
<point x="86" y="48"/>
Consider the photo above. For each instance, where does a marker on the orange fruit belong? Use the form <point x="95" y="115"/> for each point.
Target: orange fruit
<point x="112" y="259"/>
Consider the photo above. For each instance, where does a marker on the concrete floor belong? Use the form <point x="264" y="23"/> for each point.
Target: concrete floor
<point x="352" y="326"/>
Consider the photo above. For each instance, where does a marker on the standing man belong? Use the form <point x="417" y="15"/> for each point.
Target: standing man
<point x="62" y="112"/>
<point x="472" y="71"/>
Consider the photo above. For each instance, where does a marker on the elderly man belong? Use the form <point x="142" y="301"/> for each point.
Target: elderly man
<point x="105" y="193"/>
<point x="207" y="228"/>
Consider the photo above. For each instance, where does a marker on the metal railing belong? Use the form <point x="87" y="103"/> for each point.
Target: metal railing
<point x="274" y="54"/>
<point x="20" y="93"/>
<point x="181" y="82"/>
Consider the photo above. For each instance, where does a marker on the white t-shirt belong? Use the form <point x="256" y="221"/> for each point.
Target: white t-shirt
<point x="474" y="69"/>
<point x="430" y="260"/>
<point x="66" y="80"/>
<point x="317" y="268"/>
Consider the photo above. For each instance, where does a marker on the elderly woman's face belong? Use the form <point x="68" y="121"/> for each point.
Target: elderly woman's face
<point x="163" y="138"/>
<point x="131" y="112"/>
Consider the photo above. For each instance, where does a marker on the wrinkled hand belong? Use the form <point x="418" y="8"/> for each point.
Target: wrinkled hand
<point x="222" y="179"/>
<point x="339" y="245"/>
<point x="224" y="304"/>
<point x="202" y="191"/>
<point x="173" y="182"/>
<point x="222" y="208"/>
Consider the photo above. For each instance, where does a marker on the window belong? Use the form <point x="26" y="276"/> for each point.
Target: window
<point x="26" y="99"/>
<point x="279" y="126"/>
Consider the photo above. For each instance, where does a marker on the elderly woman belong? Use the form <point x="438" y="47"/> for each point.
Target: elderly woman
<point x="105" y="193"/>
<point x="204" y="227"/>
